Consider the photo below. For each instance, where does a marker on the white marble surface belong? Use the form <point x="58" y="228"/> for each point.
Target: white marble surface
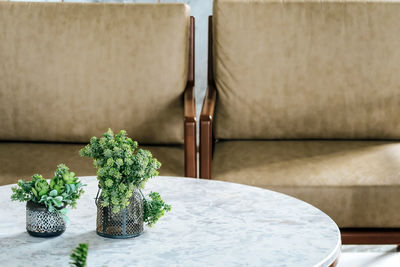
<point x="212" y="223"/>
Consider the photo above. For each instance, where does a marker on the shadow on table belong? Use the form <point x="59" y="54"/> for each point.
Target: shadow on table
<point x="60" y="245"/>
<point x="65" y="242"/>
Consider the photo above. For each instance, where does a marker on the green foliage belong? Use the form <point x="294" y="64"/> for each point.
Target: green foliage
<point x="63" y="190"/>
<point x="79" y="255"/>
<point x="154" y="209"/>
<point x="121" y="168"/>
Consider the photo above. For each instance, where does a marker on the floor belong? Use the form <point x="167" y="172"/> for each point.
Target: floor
<point x="369" y="256"/>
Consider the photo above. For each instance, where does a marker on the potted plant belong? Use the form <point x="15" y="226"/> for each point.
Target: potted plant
<point x="47" y="203"/>
<point x="122" y="170"/>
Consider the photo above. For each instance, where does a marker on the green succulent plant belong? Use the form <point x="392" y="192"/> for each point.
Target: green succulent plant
<point x="40" y="186"/>
<point x="63" y="190"/>
<point x="121" y="168"/>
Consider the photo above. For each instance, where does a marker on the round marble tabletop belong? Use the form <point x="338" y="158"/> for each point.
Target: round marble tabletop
<point x="212" y="223"/>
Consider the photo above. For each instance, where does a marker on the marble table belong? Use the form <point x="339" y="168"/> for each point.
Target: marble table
<point x="212" y="223"/>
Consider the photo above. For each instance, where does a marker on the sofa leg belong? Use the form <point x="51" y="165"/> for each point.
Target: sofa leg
<point x="205" y="149"/>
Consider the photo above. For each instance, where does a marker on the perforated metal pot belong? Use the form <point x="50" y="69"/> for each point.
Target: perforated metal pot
<point x="127" y="223"/>
<point x="40" y="222"/>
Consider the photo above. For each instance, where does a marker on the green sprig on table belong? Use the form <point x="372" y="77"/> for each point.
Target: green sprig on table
<point x="79" y="255"/>
<point x="63" y="190"/>
<point x="121" y="168"/>
<point x="154" y="209"/>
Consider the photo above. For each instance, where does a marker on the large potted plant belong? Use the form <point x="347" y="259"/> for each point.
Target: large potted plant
<point x="122" y="170"/>
<point x="47" y="203"/>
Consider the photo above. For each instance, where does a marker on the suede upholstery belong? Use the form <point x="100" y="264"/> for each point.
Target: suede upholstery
<point x="308" y="103"/>
<point x="307" y="69"/>
<point x="357" y="183"/>
<point x="70" y="71"/>
<point x="20" y="160"/>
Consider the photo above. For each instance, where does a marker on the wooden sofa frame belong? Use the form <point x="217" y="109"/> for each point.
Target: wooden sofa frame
<point x="349" y="235"/>
<point x="190" y="111"/>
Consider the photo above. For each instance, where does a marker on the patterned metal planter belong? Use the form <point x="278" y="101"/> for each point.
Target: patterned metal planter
<point x="42" y="223"/>
<point x="124" y="224"/>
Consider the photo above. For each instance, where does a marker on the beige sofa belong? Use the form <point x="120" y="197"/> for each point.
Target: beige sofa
<point x="304" y="99"/>
<point x="69" y="71"/>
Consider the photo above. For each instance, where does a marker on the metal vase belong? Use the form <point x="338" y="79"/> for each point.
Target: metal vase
<point x="127" y="223"/>
<point x="40" y="222"/>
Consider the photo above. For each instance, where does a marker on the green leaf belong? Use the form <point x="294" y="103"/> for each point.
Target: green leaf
<point x="79" y="255"/>
<point x="34" y="192"/>
<point x="72" y="186"/>
<point x="50" y="207"/>
<point x="57" y="203"/>
<point x="53" y="193"/>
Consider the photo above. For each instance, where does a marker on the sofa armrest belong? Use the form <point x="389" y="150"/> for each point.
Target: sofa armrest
<point x="206" y="132"/>
<point x="190" y="112"/>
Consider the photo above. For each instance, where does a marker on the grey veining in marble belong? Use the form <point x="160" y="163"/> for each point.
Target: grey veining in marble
<point x="212" y="223"/>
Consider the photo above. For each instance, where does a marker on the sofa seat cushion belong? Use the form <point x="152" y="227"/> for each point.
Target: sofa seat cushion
<point x="357" y="183"/>
<point x="20" y="160"/>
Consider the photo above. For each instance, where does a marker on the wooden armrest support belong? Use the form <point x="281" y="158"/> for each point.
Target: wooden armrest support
<point x="207" y="111"/>
<point x="189" y="104"/>
<point x="206" y="132"/>
<point x="190" y="112"/>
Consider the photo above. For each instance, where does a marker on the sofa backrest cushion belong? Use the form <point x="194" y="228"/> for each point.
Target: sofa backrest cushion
<point x="307" y="69"/>
<point x="69" y="71"/>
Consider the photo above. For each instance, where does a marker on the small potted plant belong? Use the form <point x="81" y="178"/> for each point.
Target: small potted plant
<point x="122" y="170"/>
<point x="47" y="203"/>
